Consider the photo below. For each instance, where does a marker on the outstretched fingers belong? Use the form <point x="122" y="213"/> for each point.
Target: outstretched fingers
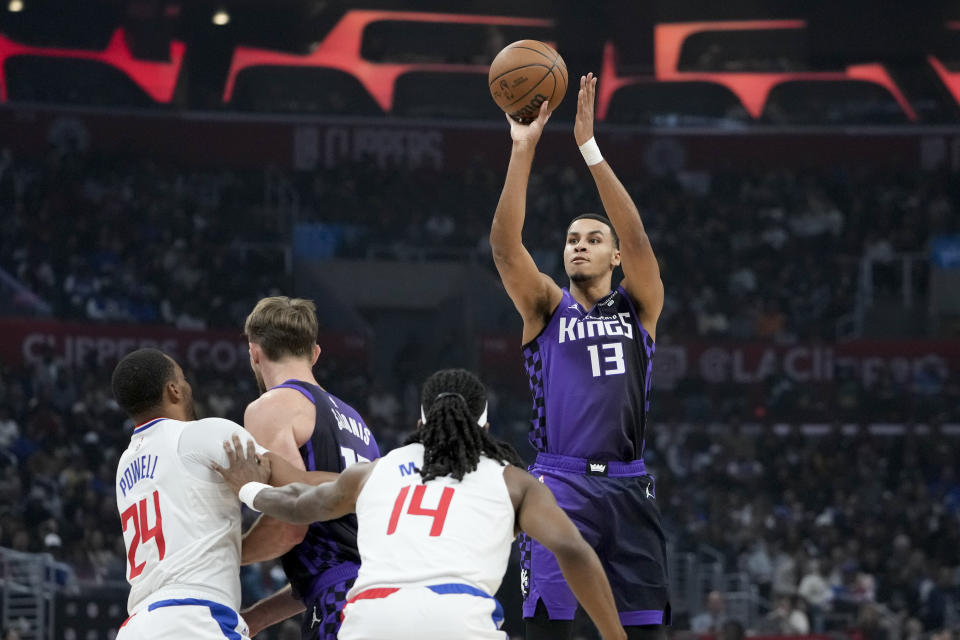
<point x="544" y="113"/>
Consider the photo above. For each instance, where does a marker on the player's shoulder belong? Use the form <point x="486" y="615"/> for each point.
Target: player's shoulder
<point x="282" y="401"/>
<point x="217" y="426"/>
<point x="208" y="433"/>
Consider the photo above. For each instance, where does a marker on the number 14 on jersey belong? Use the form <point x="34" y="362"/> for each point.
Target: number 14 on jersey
<point x="439" y="514"/>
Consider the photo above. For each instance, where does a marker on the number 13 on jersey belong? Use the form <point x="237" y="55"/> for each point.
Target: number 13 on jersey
<point x="612" y="359"/>
<point x="439" y="514"/>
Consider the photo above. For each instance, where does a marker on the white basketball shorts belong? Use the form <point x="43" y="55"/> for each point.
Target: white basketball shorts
<point x="181" y="618"/>
<point x="436" y="612"/>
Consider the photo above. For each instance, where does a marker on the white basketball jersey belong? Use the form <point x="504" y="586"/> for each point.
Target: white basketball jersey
<point x="181" y="521"/>
<point x="416" y="534"/>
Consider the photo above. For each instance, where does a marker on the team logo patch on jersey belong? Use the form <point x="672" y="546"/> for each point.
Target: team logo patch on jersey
<point x="596" y="468"/>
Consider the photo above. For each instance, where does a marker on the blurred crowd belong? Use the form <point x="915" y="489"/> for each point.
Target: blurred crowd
<point x="764" y="255"/>
<point x="837" y="531"/>
<point x="926" y="393"/>
<point x="112" y="240"/>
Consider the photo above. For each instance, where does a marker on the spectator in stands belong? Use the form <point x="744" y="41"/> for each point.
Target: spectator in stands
<point x="10" y="633"/>
<point x="786" y="619"/>
<point x="816" y="593"/>
<point x="732" y="630"/>
<point x="714" y="617"/>
<point x="9" y="429"/>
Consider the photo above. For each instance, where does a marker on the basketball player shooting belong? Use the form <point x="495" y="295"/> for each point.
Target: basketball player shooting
<point x="436" y="519"/>
<point x="588" y="352"/>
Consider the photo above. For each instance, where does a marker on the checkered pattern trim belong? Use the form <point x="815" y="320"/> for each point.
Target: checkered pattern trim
<point x="533" y="364"/>
<point x="648" y="347"/>
<point x="524" y="542"/>
<point x="317" y="554"/>
<point x="324" y="624"/>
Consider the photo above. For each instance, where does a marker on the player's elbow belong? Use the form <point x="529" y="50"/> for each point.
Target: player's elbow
<point x="635" y="241"/>
<point x="293" y="534"/>
<point x="568" y="548"/>
<point x="503" y="241"/>
<point x="504" y="253"/>
<point x="572" y="552"/>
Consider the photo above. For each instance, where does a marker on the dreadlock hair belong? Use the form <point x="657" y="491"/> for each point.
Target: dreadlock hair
<point x="453" y="400"/>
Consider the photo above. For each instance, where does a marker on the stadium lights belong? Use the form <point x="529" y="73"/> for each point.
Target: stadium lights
<point x="221" y="17"/>
<point x="15" y="6"/>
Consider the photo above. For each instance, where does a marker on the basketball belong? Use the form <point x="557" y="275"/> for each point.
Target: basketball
<point x="524" y="75"/>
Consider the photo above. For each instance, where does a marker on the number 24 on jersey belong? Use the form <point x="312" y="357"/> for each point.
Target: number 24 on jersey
<point x="136" y="514"/>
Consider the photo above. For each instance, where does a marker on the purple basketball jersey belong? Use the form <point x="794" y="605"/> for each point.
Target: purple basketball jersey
<point x="590" y="377"/>
<point x="328" y="553"/>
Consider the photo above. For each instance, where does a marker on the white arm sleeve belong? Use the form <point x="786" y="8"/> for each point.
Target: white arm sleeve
<point x="202" y="443"/>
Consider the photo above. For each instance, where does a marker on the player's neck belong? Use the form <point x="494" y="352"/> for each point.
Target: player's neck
<point x="171" y="412"/>
<point x="275" y="373"/>
<point x="589" y="292"/>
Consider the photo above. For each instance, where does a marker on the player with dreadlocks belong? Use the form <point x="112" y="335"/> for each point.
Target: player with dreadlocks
<point x="436" y="518"/>
<point x="452" y="445"/>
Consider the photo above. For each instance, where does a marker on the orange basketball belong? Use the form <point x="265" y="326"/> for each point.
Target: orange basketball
<point x="524" y="75"/>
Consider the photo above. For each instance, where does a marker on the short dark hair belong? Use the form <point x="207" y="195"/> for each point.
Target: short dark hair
<point x="598" y="218"/>
<point x="453" y="400"/>
<point x="139" y="378"/>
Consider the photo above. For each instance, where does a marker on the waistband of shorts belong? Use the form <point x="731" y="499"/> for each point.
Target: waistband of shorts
<point x="330" y="577"/>
<point x="448" y="588"/>
<point x="184" y="592"/>
<point x="587" y="466"/>
<point x="457" y="588"/>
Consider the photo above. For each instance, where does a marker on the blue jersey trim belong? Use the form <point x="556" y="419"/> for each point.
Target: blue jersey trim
<point x="458" y="588"/>
<point x="146" y="426"/>
<point x="226" y="617"/>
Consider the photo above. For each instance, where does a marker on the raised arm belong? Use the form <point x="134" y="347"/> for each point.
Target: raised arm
<point x="642" y="273"/>
<point x="271" y="419"/>
<point x="539" y="516"/>
<point x="534" y="294"/>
